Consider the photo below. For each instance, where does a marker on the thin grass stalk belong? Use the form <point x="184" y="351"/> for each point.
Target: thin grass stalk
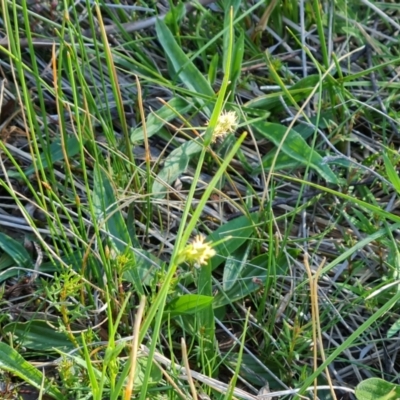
<point x="80" y="134"/>
<point x="349" y="341"/>
<point x="116" y="91"/>
<point x="31" y="133"/>
<point x="272" y="256"/>
<point x="159" y="304"/>
<point x="318" y="325"/>
<point x="81" y="140"/>
<point x="314" y="311"/>
<point x="29" y="116"/>
<point x="14" y="195"/>
<point x="36" y="74"/>
<point x="218" y="35"/>
<point x="381" y="311"/>
<point x="94" y="385"/>
<point x="110" y="363"/>
<point x="230" y="393"/>
<point x="98" y="97"/>
<point x="149" y="179"/>
<point x="321" y="33"/>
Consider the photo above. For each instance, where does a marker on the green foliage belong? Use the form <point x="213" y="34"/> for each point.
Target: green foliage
<point x="377" y="389"/>
<point x="184" y="68"/>
<point x="155" y="121"/>
<point x="187" y="304"/>
<point x="175" y="165"/>
<point x="30" y="335"/>
<point x="111" y="165"/>
<point x="12" y="362"/>
<point x="293" y="145"/>
<point x="15" y="250"/>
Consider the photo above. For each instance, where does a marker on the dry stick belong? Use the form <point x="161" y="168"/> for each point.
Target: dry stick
<point x="314" y="329"/>
<point x="316" y="323"/>
<point x="187" y="366"/>
<point x="169" y="379"/>
<point x="108" y="29"/>
<point x="135" y="347"/>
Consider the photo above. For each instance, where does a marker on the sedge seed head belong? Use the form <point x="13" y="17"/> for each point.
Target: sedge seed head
<point x="226" y="123"/>
<point x="198" y="252"/>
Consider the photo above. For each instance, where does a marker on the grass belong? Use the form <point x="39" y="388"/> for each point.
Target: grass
<point x="214" y="191"/>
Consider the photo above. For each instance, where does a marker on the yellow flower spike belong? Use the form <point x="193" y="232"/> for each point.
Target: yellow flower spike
<point x="198" y="252"/>
<point x="227" y="123"/>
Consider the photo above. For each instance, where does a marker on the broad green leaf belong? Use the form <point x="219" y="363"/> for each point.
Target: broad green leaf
<point x="6" y="261"/>
<point x="156" y="120"/>
<point x="12" y="362"/>
<point x="323" y="120"/>
<point x="15" y="250"/>
<point x="175" y="165"/>
<point x="295" y="147"/>
<point x="233" y="268"/>
<point x="392" y="173"/>
<point x="30" y="335"/>
<point x="240" y="229"/>
<point x="188" y="304"/>
<point x="283" y="161"/>
<point x="251" y="279"/>
<point x="175" y="15"/>
<point x="377" y="389"/>
<point x="394" y="329"/>
<point x="189" y="75"/>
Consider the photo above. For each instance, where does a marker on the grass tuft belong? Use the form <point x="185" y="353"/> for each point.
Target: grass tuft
<point x="198" y="200"/>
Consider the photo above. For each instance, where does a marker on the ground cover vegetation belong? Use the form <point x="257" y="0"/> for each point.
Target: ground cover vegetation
<point x="199" y="200"/>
